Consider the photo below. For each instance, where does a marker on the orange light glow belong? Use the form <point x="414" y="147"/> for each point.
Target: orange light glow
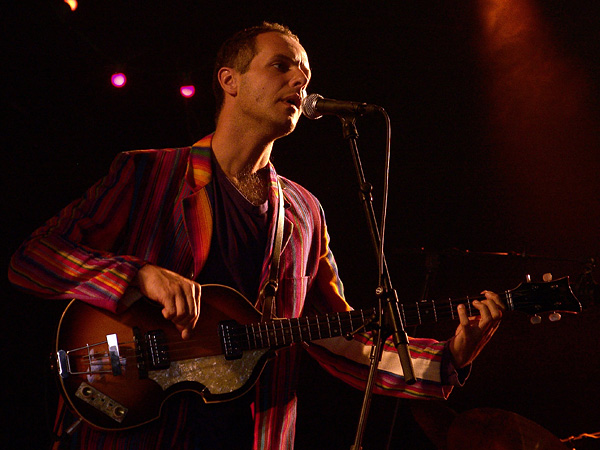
<point x="540" y="126"/>
<point x="72" y="4"/>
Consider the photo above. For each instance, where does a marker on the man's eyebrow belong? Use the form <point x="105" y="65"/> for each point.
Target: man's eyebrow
<point x="293" y="61"/>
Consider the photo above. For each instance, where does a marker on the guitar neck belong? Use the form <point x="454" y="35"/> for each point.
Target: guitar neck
<point x="532" y="298"/>
<point x="284" y="332"/>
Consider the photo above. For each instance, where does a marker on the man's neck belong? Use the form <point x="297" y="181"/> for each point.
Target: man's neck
<point x="243" y="156"/>
<point x="240" y="152"/>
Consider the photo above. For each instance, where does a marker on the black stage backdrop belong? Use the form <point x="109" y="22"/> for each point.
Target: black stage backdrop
<point x="495" y="162"/>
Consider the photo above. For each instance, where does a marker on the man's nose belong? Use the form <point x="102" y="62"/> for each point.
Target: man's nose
<point x="299" y="78"/>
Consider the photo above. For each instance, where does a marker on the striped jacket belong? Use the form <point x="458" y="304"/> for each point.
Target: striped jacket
<point x="153" y="207"/>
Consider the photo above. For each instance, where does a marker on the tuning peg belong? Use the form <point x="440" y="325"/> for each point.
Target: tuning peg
<point x="535" y="319"/>
<point x="547" y="277"/>
<point x="527" y="278"/>
<point x="554" y="317"/>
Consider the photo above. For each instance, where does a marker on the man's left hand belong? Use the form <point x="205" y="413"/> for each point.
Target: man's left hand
<point x="473" y="333"/>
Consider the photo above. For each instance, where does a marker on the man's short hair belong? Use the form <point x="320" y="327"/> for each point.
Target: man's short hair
<point x="238" y="52"/>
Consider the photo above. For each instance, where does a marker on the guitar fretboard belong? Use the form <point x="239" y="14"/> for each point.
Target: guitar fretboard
<point x="532" y="298"/>
<point x="283" y="332"/>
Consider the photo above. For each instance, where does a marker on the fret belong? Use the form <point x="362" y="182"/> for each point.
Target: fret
<point x="319" y="328"/>
<point x="307" y="325"/>
<point x="301" y="329"/>
<point x="404" y="315"/>
<point x="290" y="330"/>
<point x="254" y="336"/>
<point x="351" y="319"/>
<point x="275" y="334"/>
<point x="295" y="327"/>
<point x="299" y="337"/>
<point x="305" y="329"/>
<point x="328" y="325"/>
<point x="285" y="328"/>
<point x="427" y="311"/>
<point x="248" y="337"/>
<point x="257" y="337"/>
<point x="469" y="306"/>
<point x="284" y="332"/>
<point x="418" y="313"/>
<point x="264" y="335"/>
<point x="509" y="301"/>
<point x="339" y="323"/>
<point x="267" y="333"/>
<point x="451" y="308"/>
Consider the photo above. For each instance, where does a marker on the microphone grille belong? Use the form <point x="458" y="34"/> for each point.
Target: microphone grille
<point x="309" y="106"/>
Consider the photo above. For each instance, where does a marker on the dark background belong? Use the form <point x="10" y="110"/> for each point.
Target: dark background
<point x="495" y="149"/>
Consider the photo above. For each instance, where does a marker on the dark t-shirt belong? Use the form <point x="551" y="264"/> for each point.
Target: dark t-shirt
<point x="240" y="231"/>
<point x="237" y="251"/>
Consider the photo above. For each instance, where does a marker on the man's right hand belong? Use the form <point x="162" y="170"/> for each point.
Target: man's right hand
<point x="179" y="296"/>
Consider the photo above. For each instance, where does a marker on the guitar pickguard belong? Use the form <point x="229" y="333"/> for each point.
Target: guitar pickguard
<point x="218" y="375"/>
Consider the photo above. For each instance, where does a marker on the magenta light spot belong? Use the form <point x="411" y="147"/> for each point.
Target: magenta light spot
<point x="187" y="91"/>
<point x="118" y="80"/>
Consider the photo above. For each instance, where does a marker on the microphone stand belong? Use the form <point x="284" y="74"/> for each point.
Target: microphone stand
<point x="389" y="322"/>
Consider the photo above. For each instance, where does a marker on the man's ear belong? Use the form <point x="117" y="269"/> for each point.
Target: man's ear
<point x="228" y="80"/>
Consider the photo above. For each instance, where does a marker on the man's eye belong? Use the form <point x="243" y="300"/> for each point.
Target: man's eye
<point x="281" y="67"/>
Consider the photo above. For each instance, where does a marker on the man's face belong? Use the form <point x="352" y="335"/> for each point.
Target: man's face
<point x="271" y="91"/>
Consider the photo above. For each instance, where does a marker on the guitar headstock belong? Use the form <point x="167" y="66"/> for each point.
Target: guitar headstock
<point x="552" y="296"/>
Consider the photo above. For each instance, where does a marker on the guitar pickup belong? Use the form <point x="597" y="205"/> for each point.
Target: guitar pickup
<point x="157" y="350"/>
<point x="229" y="344"/>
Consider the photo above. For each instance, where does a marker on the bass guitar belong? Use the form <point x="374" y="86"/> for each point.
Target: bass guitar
<point x="115" y="371"/>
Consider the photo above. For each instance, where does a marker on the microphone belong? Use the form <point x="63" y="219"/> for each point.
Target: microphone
<point x="315" y="106"/>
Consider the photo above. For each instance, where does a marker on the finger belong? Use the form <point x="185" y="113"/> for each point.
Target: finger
<point x="194" y="302"/>
<point x="494" y="304"/>
<point x="183" y="315"/>
<point x="186" y="333"/>
<point x="197" y="292"/>
<point x="183" y="326"/>
<point x="169" y="310"/>
<point x="485" y="315"/>
<point x="495" y="299"/>
<point x="188" y="308"/>
<point x="462" y="315"/>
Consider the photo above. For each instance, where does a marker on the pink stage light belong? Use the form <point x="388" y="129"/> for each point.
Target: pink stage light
<point x="187" y="91"/>
<point x="118" y="80"/>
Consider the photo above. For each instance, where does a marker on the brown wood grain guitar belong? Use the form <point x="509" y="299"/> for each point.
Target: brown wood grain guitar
<point x="115" y="371"/>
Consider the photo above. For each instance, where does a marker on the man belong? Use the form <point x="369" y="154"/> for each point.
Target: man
<point x="164" y="222"/>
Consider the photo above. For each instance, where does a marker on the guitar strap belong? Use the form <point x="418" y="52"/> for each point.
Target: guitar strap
<point x="268" y="292"/>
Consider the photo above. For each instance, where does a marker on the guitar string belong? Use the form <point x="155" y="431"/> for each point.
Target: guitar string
<point x="296" y="327"/>
<point x="443" y="308"/>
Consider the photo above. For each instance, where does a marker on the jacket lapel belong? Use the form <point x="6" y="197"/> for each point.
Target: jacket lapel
<point x="198" y="215"/>
<point x="288" y="227"/>
<point x="196" y="205"/>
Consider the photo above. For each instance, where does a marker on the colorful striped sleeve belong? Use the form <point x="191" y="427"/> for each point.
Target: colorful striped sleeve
<point x="70" y="256"/>
<point x="349" y="360"/>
